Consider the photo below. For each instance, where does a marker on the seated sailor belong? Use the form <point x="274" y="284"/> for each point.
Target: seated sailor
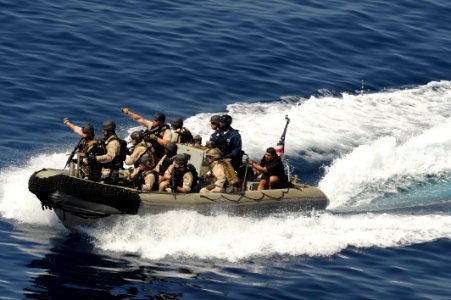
<point x="179" y="177"/>
<point x="139" y="149"/>
<point x="163" y="164"/>
<point x="272" y="170"/>
<point x="221" y="172"/>
<point x="142" y="177"/>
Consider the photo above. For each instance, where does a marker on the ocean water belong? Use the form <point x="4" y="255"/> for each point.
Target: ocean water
<point x="367" y="87"/>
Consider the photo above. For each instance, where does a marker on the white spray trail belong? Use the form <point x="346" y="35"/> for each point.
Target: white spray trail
<point x="384" y="166"/>
<point x="16" y="202"/>
<point x="188" y="234"/>
<point x="323" y="128"/>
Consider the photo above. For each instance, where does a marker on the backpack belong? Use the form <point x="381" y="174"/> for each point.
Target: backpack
<point x="124" y="149"/>
<point x="232" y="177"/>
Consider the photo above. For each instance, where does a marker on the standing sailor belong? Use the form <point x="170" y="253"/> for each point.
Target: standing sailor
<point x="229" y="142"/>
<point x="179" y="133"/>
<point x="214" y="124"/>
<point x="88" y="146"/>
<point x="158" y="133"/>
<point x="111" y="159"/>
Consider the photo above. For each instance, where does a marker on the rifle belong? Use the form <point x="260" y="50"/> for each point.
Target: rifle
<point x="137" y="178"/>
<point x="148" y="132"/>
<point x="71" y="156"/>
<point x="173" y="186"/>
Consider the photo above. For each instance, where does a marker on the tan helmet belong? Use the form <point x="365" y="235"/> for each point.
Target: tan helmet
<point x="215" y="152"/>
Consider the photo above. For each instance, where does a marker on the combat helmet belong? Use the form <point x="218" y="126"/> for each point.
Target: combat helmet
<point x="181" y="159"/>
<point x="171" y="147"/>
<point x="88" y="129"/>
<point x="144" y="160"/>
<point x="226" y="119"/>
<point x="109" y="125"/>
<point x="158" y="116"/>
<point x="215" y="152"/>
<point x="215" y="119"/>
<point x="177" y="122"/>
<point x="137" y="136"/>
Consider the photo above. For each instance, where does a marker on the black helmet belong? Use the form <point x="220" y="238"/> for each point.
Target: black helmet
<point x="109" y="125"/>
<point x="172" y="147"/>
<point x="159" y="117"/>
<point x="137" y="135"/>
<point x="89" y="129"/>
<point x="181" y="159"/>
<point x="226" y="119"/>
<point x="197" y="138"/>
<point x="144" y="160"/>
<point x="177" y="122"/>
<point x="215" y="119"/>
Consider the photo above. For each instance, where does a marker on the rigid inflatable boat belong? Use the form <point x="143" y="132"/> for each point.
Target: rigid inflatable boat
<point x="82" y="202"/>
<point x="77" y="201"/>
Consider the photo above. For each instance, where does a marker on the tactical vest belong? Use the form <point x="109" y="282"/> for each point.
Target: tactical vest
<point x="87" y="147"/>
<point x="159" y="132"/>
<point x="117" y="161"/>
<point x="151" y="156"/>
<point x="177" y="179"/>
<point x="90" y="170"/>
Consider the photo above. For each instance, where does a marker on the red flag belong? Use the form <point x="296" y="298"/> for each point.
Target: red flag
<point x="280" y="148"/>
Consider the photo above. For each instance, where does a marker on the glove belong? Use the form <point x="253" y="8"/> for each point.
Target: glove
<point x="210" y="186"/>
<point x="124" y="110"/>
<point x="152" y="136"/>
<point x="66" y="119"/>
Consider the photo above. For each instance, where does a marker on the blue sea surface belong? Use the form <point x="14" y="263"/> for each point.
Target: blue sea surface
<point x="366" y="84"/>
